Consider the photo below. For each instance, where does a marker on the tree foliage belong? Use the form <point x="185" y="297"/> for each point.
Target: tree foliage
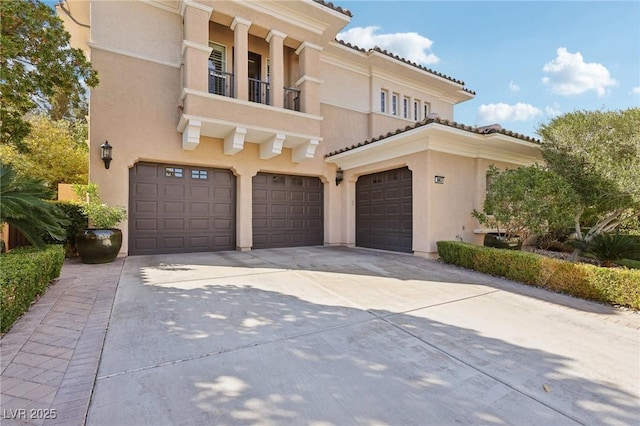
<point x="527" y="200"/>
<point x="38" y="68"/>
<point x="55" y="152"/>
<point x="23" y="205"/>
<point x="598" y="154"/>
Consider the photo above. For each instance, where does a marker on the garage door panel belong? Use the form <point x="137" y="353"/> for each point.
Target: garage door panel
<point x="223" y="225"/>
<point x="145" y="189"/>
<point x="290" y="215"/>
<point x="174" y="191"/>
<point x="279" y="209"/>
<point x="146" y="224"/>
<point x="174" y="242"/>
<point x="180" y="209"/>
<point x="201" y="242"/>
<point x="278" y="195"/>
<point x="384" y="211"/>
<point x="173" y="207"/>
<point x="174" y="224"/>
<point x="145" y="207"/>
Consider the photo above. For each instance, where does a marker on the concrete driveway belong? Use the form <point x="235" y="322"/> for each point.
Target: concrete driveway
<point x="320" y="336"/>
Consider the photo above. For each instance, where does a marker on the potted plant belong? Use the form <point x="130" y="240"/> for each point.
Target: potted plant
<point x="101" y="242"/>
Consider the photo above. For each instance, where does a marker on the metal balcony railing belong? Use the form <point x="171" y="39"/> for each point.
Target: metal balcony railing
<point x="221" y="83"/>
<point x="292" y="98"/>
<point x="259" y="91"/>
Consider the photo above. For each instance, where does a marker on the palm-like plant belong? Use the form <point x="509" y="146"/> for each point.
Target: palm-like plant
<point x="609" y="247"/>
<point x="23" y="205"/>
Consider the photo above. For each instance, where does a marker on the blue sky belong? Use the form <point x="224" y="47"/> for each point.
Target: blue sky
<point x="526" y="61"/>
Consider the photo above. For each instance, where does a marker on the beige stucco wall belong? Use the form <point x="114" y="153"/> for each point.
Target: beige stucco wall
<point x="137" y="29"/>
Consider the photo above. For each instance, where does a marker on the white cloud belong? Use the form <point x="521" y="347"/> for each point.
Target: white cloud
<point x="411" y="46"/>
<point x="552" y="110"/>
<point x="569" y="74"/>
<point x="497" y="113"/>
<point x="635" y="91"/>
<point x="514" y="87"/>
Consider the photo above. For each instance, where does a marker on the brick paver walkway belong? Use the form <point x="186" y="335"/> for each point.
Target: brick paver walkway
<point x="49" y="359"/>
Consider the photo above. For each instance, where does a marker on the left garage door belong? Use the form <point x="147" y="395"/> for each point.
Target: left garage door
<point x="181" y="209"/>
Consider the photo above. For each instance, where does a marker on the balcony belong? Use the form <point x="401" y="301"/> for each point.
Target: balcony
<point x="221" y="83"/>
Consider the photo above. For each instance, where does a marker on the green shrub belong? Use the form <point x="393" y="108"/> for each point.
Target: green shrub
<point x="24" y="275"/>
<point x="77" y="221"/>
<point x="609" y="285"/>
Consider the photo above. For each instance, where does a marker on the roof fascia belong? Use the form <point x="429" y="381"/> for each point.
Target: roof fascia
<point x="433" y="137"/>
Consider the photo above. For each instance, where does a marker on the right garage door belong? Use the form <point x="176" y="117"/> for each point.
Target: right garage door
<point x="384" y="206"/>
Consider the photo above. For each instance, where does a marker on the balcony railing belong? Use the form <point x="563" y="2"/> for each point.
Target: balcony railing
<point x="221" y="83"/>
<point x="292" y="98"/>
<point x="259" y="91"/>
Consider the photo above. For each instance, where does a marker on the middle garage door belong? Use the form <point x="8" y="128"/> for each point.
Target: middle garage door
<point x="287" y="211"/>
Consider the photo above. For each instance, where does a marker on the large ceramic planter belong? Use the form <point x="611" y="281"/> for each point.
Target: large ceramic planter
<point x="494" y="239"/>
<point x="98" y="245"/>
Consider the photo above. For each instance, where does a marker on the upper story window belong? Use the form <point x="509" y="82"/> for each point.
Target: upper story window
<point x="219" y="81"/>
<point x="405" y="107"/>
<point x="383" y="101"/>
<point x="416" y="111"/>
<point x="394" y="104"/>
<point x="427" y="109"/>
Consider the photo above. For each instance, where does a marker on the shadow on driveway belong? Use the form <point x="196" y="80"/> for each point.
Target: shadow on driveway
<point x="345" y="337"/>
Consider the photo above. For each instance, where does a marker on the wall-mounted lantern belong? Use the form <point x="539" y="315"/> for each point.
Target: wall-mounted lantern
<point x="105" y="154"/>
<point x="339" y="176"/>
<point x="439" y="180"/>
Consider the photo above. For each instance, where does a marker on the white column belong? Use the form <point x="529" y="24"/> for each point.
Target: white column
<point x="240" y="29"/>
<point x="276" y="56"/>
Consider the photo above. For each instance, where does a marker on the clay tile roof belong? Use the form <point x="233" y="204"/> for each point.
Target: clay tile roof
<point x="485" y="130"/>
<point x="336" y="8"/>
<point x="398" y="58"/>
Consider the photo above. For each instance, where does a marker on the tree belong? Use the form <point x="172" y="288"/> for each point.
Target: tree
<point x="525" y="201"/>
<point x="55" y="151"/>
<point x="598" y="154"/>
<point x="23" y="205"/>
<point x="37" y="65"/>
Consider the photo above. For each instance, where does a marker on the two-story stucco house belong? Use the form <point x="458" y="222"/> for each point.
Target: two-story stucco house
<point x="245" y="124"/>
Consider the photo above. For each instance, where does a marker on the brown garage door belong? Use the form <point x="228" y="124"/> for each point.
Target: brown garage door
<point x="384" y="205"/>
<point x="287" y="211"/>
<point x="181" y="209"/>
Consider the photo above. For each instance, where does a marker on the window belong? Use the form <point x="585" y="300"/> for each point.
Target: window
<point x="394" y="104"/>
<point x="219" y="80"/>
<point x="427" y="109"/>
<point x="405" y="107"/>
<point x="278" y="180"/>
<point x="377" y="179"/>
<point x="383" y="101"/>
<point x="199" y="174"/>
<point x="173" y="172"/>
<point x="415" y="110"/>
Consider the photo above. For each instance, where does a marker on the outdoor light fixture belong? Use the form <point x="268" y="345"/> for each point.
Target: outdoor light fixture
<point x="339" y="176"/>
<point x="105" y="154"/>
